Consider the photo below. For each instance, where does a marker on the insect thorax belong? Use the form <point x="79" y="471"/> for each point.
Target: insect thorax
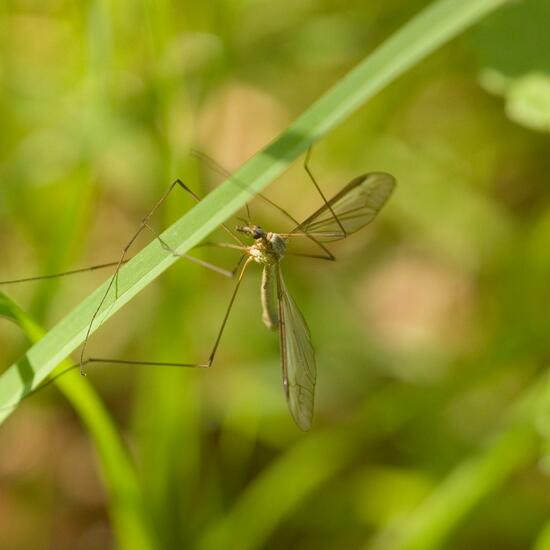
<point x="269" y="249"/>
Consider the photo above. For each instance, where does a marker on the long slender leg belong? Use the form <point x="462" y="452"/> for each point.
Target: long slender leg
<point x="222" y="245"/>
<point x="305" y="255"/>
<point x="114" y="280"/>
<point x="112" y="264"/>
<point x="109" y="286"/>
<point x="327" y="203"/>
<point x="198" y="261"/>
<point x="226" y="316"/>
<point x="221" y="170"/>
<point x="198" y="199"/>
<point x="210" y="359"/>
<point x="206" y="364"/>
<point x="231" y="177"/>
<point x="61" y="274"/>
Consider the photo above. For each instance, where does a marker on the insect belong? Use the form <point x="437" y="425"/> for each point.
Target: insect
<point x="352" y="208"/>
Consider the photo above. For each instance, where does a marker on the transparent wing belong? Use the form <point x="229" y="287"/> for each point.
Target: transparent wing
<point x="297" y="358"/>
<point x="356" y="205"/>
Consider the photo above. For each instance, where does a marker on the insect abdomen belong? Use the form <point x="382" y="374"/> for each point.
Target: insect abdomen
<point x="270" y="305"/>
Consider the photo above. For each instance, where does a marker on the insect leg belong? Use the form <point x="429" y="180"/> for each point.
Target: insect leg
<point x="305" y="255"/>
<point x="231" y="302"/>
<point x="327" y="203"/>
<point x="206" y="364"/>
<point x="213" y="164"/>
<point x="198" y="199"/>
<point x="98" y="360"/>
<point x="198" y="261"/>
<point x="61" y="274"/>
<point x="114" y="279"/>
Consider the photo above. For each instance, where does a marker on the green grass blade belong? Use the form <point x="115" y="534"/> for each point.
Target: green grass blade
<point x="130" y="517"/>
<point x="295" y="476"/>
<point x="513" y="448"/>
<point x="434" y="26"/>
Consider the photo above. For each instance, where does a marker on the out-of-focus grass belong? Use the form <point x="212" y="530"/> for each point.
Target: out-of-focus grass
<point x="428" y="330"/>
<point x="473" y="479"/>
<point x="129" y="512"/>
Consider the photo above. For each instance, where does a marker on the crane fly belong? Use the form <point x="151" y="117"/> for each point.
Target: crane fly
<point x="355" y="206"/>
<point x="351" y="209"/>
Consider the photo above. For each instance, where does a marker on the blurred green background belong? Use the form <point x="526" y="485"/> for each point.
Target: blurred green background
<point x="431" y="331"/>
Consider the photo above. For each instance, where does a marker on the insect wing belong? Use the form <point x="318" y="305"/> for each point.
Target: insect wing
<point x="356" y="205"/>
<point x="297" y="358"/>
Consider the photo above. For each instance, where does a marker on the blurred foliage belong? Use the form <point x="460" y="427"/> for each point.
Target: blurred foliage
<point x="512" y="47"/>
<point x="431" y="331"/>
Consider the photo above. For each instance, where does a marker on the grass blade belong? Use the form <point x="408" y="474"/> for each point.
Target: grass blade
<point x="514" y="447"/>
